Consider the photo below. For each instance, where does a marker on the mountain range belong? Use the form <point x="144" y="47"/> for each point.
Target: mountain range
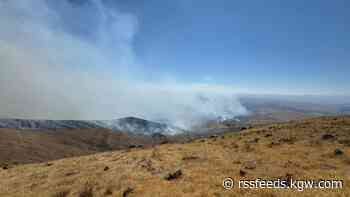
<point x="129" y="124"/>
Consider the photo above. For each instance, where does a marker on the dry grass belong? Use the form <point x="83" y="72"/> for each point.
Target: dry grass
<point x="61" y="194"/>
<point x="31" y="146"/>
<point x="295" y="149"/>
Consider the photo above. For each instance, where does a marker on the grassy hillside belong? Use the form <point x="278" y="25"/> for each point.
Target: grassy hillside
<point x="316" y="148"/>
<point x="32" y="146"/>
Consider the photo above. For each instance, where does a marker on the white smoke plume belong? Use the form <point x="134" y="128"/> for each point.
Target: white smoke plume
<point x="74" y="60"/>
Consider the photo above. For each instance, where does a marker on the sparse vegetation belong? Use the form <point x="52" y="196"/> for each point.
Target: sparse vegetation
<point x="127" y="192"/>
<point x="61" y="194"/>
<point x="173" y="175"/>
<point x="198" y="168"/>
<point x="87" y="191"/>
<point x="108" y="192"/>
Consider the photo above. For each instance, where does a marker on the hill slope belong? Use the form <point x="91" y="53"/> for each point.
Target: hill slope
<point x="311" y="149"/>
<point x="32" y="146"/>
<point x="129" y="124"/>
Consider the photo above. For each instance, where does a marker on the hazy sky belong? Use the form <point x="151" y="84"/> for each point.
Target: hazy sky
<point x="77" y="60"/>
<point x="181" y="61"/>
<point x="256" y="46"/>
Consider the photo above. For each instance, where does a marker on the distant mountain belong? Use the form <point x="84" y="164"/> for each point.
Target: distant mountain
<point x="46" y="124"/>
<point x="345" y="109"/>
<point x="129" y="124"/>
<point x="138" y="126"/>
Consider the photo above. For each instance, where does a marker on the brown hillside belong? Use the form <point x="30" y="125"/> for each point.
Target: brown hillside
<point x="26" y="146"/>
<point x="311" y="149"/>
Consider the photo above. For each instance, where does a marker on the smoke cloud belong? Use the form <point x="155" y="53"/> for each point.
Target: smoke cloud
<point x="74" y="60"/>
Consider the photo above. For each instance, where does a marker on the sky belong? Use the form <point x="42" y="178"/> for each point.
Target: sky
<point x="178" y="61"/>
<point x="287" y="47"/>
